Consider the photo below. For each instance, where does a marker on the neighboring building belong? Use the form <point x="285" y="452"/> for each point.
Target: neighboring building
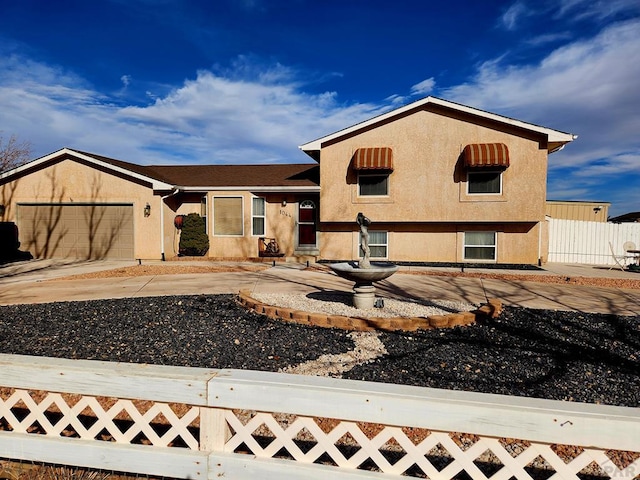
<point x="440" y="181"/>
<point x="626" y="218"/>
<point x="575" y="210"/>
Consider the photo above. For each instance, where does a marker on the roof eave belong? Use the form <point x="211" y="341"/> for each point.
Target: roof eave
<point x="554" y="136"/>
<point x="155" y="183"/>
<point x="255" y="188"/>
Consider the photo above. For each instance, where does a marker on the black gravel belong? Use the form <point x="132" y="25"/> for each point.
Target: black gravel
<point x="572" y="356"/>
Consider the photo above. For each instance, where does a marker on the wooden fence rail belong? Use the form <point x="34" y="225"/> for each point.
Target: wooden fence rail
<point x="204" y="423"/>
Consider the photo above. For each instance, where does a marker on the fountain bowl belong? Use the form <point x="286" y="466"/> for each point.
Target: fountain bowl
<point x="351" y="271"/>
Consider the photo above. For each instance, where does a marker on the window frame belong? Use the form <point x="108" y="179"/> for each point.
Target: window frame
<point x="385" y="174"/>
<point x="385" y="245"/>
<point x="255" y="216"/>
<point x="213" y="219"/>
<point x="204" y="210"/>
<point x="493" y="246"/>
<point x="480" y="172"/>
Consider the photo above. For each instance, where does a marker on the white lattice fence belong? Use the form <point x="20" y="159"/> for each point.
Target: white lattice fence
<point x="198" y="423"/>
<point x="85" y="417"/>
<point x="439" y="455"/>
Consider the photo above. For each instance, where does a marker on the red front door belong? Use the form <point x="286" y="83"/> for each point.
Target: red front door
<point x="307" y="224"/>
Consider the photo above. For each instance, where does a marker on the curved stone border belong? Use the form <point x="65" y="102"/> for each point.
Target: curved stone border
<point x="491" y="309"/>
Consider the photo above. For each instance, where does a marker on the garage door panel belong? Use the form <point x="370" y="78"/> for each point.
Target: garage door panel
<point x="77" y="231"/>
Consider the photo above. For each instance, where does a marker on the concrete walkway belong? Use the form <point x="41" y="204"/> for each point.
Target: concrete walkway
<point x="40" y="281"/>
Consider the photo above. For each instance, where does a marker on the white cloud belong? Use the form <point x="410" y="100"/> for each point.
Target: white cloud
<point x="246" y="115"/>
<point x="587" y="87"/>
<point x="548" y="38"/>
<point x="512" y="16"/>
<point x="425" y="87"/>
<point x="598" y="10"/>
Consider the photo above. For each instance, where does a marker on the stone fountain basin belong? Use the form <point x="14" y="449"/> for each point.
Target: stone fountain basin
<point x="351" y="271"/>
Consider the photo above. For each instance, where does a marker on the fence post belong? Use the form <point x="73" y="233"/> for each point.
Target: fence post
<point x="214" y="429"/>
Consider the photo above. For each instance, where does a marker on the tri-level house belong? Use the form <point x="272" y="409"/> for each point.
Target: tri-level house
<point x="441" y="182"/>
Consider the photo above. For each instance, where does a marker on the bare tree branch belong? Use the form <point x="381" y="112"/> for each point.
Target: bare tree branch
<point x="13" y="153"/>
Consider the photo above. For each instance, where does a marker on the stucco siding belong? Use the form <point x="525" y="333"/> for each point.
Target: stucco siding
<point x="428" y="182"/>
<point x="68" y="181"/>
<point x="515" y="243"/>
<point x="280" y="223"/>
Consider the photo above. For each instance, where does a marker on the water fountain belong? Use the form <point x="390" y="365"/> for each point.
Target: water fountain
<point x="364" y="272"/>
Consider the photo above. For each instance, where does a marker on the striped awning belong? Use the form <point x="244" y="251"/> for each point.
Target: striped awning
<point x="486" y="155"/>
<point x="375" y="158"/>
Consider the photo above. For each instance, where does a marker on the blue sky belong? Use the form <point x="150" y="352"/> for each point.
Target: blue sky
<point x="247" y="81"/>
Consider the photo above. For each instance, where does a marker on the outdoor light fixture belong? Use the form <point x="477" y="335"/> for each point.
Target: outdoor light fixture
<point x="597" y="209"/>
<point x="284" y="202"/>
<point x="147" y="210"/>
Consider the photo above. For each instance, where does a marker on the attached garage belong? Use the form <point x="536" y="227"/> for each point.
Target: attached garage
<point x="76" y="230"/>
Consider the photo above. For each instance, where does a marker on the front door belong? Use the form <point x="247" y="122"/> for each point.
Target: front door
<point x="307" y="224"/>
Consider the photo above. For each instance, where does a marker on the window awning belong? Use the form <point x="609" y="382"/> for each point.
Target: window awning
<point x="375" y="158"/>
<point x="486" y="155"/>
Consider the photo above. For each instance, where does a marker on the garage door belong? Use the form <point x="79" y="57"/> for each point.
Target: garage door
<point x="82" y="231"/>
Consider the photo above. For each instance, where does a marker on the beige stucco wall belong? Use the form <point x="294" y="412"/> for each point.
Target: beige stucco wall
<point x="427" y="209"/>
<point x="70" y="182"/>
<point x="280" y="224"/>
<point x="516" y="243"/>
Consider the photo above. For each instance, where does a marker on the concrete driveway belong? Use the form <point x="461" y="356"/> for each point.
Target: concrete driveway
<point x="41" y="281"/>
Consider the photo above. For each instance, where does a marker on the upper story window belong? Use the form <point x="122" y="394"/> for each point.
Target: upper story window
<point x="373" y="184"/>
<point x="373" y="166"/>
<point x="485" y="163"/>
<point x="484" y="182"/>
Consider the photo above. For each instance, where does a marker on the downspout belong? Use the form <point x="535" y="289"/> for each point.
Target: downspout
<point x="540" y="225"/>
<point x="162" y="199"/>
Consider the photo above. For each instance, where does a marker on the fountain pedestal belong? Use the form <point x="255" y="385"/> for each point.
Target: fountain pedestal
<point x="363" y="290"/>
<point x="364" y="295"/>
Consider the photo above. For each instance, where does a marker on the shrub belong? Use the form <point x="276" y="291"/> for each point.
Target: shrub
<point x="194" y="240"/>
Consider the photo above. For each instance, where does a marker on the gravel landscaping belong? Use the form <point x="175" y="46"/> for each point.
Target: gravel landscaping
<point x="538" y="353"/>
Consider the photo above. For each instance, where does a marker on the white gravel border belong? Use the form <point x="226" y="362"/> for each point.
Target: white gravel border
<point x="340" y="304"/>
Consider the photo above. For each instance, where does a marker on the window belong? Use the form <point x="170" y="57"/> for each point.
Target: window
<point x="373" y="184"/>
<point x="258" y="216"/>
<point x="203" y="212"/>
<point x="227" y="216"/>
<point x="480" y="245"/>
<point x="377" y="245"/>
<point x="484" y="182"/>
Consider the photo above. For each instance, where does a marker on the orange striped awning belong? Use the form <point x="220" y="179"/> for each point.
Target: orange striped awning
<point x="486" y="155"/>
<point x="376" y="158"/>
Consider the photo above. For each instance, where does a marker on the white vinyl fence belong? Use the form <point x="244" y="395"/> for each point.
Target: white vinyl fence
<point x="206" y="424"/>
<point x="574" y="241"/>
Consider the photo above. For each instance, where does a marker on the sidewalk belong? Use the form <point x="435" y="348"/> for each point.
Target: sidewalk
<point x="42" y="281"/>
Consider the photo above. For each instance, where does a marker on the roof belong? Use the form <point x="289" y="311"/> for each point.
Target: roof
<point x="118" y="167"/>
<point x="556" y="139"/>
<point x="290" y="177"/>
<point x="276" y="175"/>
<point x="627" y="217"/>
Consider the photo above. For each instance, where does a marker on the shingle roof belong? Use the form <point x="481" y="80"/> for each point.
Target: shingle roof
<point x="272" y="175"/>
<point x="240" y="175"/>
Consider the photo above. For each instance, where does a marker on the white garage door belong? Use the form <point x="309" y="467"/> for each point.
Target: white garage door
<point x="81" y="231"/>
